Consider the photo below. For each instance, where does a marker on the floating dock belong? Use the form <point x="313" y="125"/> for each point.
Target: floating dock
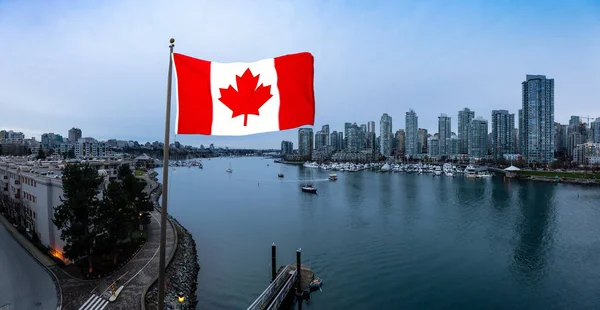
<point x="285" y="282"/>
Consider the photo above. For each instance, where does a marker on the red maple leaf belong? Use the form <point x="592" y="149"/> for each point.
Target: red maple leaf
<point x="248" y="98"/>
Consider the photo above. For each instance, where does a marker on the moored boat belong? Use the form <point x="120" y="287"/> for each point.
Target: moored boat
<point x="315" y="284"/>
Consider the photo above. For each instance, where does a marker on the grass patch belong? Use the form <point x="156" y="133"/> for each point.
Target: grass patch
<point x="139" y="172"/>
<point x="561" y="174"/>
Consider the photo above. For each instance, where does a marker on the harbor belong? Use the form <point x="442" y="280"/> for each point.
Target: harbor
<point x="419" y="233"/>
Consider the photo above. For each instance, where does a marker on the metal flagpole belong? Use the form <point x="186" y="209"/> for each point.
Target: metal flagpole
<point x="165" y="189"/>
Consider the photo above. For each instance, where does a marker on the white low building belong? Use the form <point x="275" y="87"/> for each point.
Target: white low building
<point x="32" y="190"/>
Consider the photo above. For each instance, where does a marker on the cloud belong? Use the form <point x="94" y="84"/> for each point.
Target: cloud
<point x="102" y="66"/>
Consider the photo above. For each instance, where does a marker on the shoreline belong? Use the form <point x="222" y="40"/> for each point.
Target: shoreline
<point x="577" y="181"/>
<point x="182" y="270"/>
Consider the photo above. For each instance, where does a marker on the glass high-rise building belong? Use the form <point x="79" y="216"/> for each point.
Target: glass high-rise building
<point x="503" y="125"/>
<point x="325" y="130"/>
<point x="305" y="142"/>
<point x="287" y="147"/>
<point x="341" y="140"/>
<point x="333" y="139"/>
<point x="386" y="134"/>
<point x="521" y="139"/>
<point x="464" y="121"/>
<point x="478" y="138"/>
<point x="445" y="131"/>
<point x="538" y="119"/>
<point x="422" y="136"/>
<point x="371" y="126"/>
<point x="412" y="134"/>
<point x="401" y="142"/>
<point x="595" y="131"/>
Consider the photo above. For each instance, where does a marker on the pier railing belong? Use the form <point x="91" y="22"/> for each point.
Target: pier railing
<point x="272" y="289"/>
<point x="283" y="292"/>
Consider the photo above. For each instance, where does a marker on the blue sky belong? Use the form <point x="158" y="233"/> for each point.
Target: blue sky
<point x="102" y="65"/>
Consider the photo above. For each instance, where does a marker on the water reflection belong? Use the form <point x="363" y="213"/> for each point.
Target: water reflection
<point x="500" y="195"/>
<point x="469" y="191"/>
<point x="534" y="230"/>
<point x="354" y="199"/>
<point x="385" y="190"/>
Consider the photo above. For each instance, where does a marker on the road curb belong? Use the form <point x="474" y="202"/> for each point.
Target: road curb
<point x="53" y="276"/>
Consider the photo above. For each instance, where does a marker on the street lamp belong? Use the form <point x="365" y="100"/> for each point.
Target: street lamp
<point x="181" y="299"/>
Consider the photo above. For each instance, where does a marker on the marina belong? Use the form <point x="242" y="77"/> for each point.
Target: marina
<point x="414" y="237"/>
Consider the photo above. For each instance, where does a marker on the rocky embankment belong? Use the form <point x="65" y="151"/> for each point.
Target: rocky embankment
<point x="182" y="271"/>
<point x="561" y="180"/>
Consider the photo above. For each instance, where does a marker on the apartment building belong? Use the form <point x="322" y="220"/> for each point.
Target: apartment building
<point x="30" y="191"/>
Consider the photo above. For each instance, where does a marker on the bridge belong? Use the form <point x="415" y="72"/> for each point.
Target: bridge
<point x="288" y="278"/>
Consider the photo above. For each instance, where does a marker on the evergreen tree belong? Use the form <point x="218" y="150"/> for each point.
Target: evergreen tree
<point x="137" y="198"/>
<point x="71" y="153"/>
<point x="41" y="154"/>
<point x="77" y="213"/>
<point x="114" y="221"/>
<point x="124" y="170"/>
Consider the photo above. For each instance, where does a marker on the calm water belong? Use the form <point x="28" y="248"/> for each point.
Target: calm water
<point x="391" y="241"/>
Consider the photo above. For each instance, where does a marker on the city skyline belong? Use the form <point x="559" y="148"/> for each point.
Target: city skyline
<point x="478" y="62"/>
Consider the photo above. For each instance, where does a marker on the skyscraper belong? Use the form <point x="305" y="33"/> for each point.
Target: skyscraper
<point x="503" y="125"/>
<point x="521" y="145"/>
<point x="325" y="130"/>
<point x="464" y="121"/>
<point x="386" y="134"/>
<point x="478" y="138"/>
<point x="355" y="138"/>
<point x="445" y="131"/>
<point x="595" y="130"/>
<point x="422" y="137"/>
<point x="433" y="150"/>
<point x="371" y="126"/>
<point x="346" y="128"/>
<point x="333" y="139"/>
<point x="74" y="134"/>
<point x="412" y="133"/>
<point x="401" y="138"/>
<point x="305" y="142"/>
<point x="287" y="147"/>
<point x="340" y="138"/>
<point x="538" y="118"/>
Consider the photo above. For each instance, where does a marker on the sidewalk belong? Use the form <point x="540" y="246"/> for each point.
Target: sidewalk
<point x="32" y="249"/>
<point x="48" y="264"/>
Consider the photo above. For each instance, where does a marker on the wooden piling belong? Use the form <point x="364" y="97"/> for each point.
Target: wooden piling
<point x="273" y="262"/>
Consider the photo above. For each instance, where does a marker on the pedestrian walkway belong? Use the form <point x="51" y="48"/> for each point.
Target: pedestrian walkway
<point x="94" y="303"/>
<point x="35" y="252"/>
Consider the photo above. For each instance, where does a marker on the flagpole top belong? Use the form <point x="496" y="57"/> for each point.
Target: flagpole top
<point x="172" y="41"/>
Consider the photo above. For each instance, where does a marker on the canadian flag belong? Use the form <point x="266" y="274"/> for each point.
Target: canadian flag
<point x="236" y="99"/>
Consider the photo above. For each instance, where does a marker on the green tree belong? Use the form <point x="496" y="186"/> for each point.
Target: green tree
<point x="77" y="213"/>
<point x="41" y="154"/>
<point x="123" y="171"/>
<point x="137" y="198"/>
<point x="114" y="221"/>
<point x="71" y="153"/>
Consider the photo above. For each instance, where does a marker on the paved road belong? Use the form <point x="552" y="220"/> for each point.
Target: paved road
<point x="24" y="283"/>
<point x="137" y="274"/>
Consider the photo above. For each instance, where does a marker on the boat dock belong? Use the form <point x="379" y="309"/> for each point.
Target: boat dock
<point x="285" y="282"/>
